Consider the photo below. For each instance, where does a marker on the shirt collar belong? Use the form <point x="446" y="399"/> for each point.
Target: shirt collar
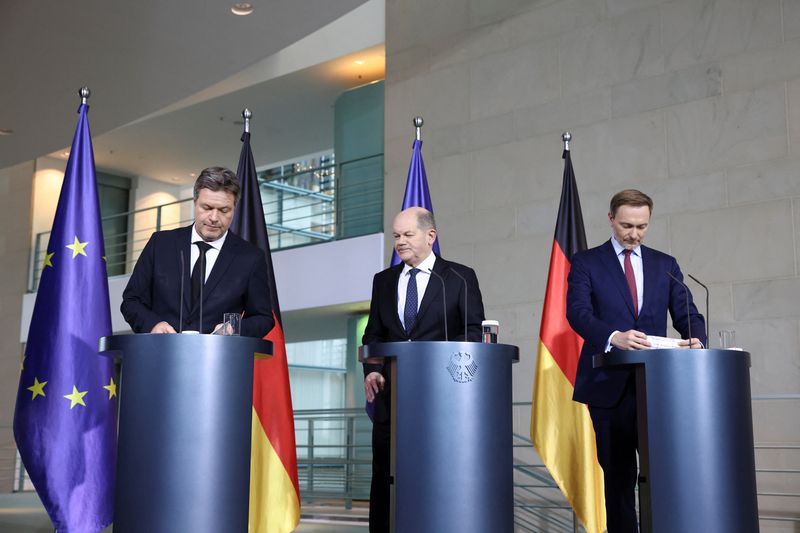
<point x="425" y="265"/>
<point x="214" y="244"/>
<point x="618" y="248"/>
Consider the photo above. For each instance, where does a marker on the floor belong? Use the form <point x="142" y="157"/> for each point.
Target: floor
<point x="23" y="513"/>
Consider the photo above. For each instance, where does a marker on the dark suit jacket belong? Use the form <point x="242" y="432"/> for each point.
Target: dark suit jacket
<point x="598" y="303"/>
<point x="384" y="324"/>
<point x="238" y="282"/>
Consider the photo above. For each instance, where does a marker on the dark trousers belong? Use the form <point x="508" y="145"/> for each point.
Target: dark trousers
<point x="381" y="475"/>
<point x="617" y="444"/>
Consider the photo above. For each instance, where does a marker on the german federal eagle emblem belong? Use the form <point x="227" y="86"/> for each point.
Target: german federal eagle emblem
<point x="462" y="367"/>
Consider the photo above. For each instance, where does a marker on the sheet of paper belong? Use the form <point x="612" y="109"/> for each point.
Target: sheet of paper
<point x="662" y="342"/>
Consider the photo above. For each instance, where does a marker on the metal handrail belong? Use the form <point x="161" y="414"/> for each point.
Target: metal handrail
<point x="300" y="208"/>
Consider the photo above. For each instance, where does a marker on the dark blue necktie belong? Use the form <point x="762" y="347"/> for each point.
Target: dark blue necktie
<point x="410" y="312"/>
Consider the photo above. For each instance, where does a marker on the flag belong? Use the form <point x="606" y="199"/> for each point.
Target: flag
<point x="561" y="429"/>
<point x="417" y="193"/>
<point x="274" y="487"/>
<point x="65" y="416"/>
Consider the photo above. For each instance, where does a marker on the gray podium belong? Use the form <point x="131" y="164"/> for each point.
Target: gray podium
<point x="183" y="452"/>
<point x="696" y="456"/>
<point x="452" y="454"/>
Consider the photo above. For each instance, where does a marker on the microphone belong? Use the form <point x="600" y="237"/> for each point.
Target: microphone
<point x="688" y="313"/>
<point x="706" y="288"/>
<point x="453" y="270"/>
<point x="202" y="282"/>
<point x="180" y="311"/>
<point x="444" y="301"/>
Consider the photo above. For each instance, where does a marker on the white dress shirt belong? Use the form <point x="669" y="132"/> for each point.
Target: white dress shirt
<point x="211" y="254"/>
<point x="422" y="283"/>
<point x="638" y="274"/>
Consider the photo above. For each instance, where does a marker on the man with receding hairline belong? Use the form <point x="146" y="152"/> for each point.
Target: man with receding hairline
<point x="618" y="294"/>
<point x="407" y="306"/>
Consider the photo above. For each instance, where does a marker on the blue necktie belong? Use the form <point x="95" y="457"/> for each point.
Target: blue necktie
<point x="410" y="311"/>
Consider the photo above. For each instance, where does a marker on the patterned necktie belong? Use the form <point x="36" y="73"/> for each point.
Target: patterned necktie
<point x="410" y="311"/>
<point x="631" y="279"/>
<point x="199" y="271"/>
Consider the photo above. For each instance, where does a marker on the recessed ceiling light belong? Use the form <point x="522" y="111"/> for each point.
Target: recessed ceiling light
<point x="242" y="8"/>
<point x="192" y="174"/>
<point x="359" y="62"/>
<point x="65" y="154"/>
<point x="6" y="131"/>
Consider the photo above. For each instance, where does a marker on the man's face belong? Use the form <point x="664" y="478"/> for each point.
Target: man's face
<point x="411" y="243"/>
<point x="629" y="224"/>
<point x="213" y="212"/>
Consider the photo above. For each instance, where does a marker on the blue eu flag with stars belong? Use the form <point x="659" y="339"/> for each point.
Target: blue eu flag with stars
<point x="65" y="417"/>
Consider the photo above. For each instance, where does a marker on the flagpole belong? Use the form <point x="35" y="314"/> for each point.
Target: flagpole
<point x="247" y="115"/>
<point x="418" y="126"/>
<point x="566" y="137"/>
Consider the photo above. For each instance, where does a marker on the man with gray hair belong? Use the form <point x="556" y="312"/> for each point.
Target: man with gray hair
<point x="205" y="259"/>
<point x="407" y="305"/>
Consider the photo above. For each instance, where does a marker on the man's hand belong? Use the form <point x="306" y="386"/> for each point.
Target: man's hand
<point x="163" y="327"/>
<point x="373" y="384"/>
<point x="630" y="340"/>
<point x="695" y="343"/>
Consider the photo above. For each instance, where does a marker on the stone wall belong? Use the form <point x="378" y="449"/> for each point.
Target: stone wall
<point x="16" y="186"/>
<point x="695" y="102"/>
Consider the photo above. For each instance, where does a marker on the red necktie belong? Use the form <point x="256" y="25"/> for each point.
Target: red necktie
<point x="631" y="279"/>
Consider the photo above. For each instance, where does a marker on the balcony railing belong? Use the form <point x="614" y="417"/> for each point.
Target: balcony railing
<point x="309" y="206"/>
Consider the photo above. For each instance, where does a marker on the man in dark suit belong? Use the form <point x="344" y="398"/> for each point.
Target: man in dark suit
<point x="229" y="272"/>
<point x="618" y="294"/>
<point x="407" y="306"/>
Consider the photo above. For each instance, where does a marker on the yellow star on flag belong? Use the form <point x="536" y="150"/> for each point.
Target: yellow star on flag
<point x="77" y="247"/>
<point x="47" y="258"/>
<point x="111" y="388"/>
<point x="37" y="388"/>
<point x="76" y="397"/>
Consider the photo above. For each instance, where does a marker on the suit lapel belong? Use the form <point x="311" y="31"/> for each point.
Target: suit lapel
<point x="616" y="274"/>
<point x="392" y="280"/>
<point x="433" y="290"/>
<point x="224" y="260"/>
<point x="649" y="274"/>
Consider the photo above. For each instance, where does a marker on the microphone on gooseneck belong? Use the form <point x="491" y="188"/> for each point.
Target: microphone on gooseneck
<point x="202" y="282"/>
<point x="706" y="288"/>
<point x="466" y="314"/>
<point x="180" y="311"/>
<point x="444" y="301"/>
<point x="688" y="313"/>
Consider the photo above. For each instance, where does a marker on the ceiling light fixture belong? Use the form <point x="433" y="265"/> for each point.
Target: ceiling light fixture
<point x="242" y="8"/>
<point x="359" y="62"/>
<point x="6" y="131"/>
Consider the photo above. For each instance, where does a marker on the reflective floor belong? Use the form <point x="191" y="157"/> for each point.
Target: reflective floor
<point x="23" y="513"/>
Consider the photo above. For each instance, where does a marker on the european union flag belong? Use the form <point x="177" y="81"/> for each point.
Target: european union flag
<point x="65" y="417"/>
<point x="417" y="193"/>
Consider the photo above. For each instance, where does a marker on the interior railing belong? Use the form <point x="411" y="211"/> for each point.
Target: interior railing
<point x="305" y="207"/>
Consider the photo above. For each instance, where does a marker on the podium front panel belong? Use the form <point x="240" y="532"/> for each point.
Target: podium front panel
<point x="452" y="425"/>
<point x="184" y="436"/>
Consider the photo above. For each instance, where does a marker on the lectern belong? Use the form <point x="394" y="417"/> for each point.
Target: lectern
<point x="183" y="452"/>
<point x="696" y="456"/>
<point x="452" y="451"/>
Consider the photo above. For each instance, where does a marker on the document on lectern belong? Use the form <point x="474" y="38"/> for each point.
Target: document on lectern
<point x="658" y="343"/>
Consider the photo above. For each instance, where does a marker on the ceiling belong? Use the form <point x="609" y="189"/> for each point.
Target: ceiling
<point x="169" y="79"/>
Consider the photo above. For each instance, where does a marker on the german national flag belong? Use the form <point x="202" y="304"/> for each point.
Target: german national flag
<point x="274" y="488"/>
<point x="561" y="429"/>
